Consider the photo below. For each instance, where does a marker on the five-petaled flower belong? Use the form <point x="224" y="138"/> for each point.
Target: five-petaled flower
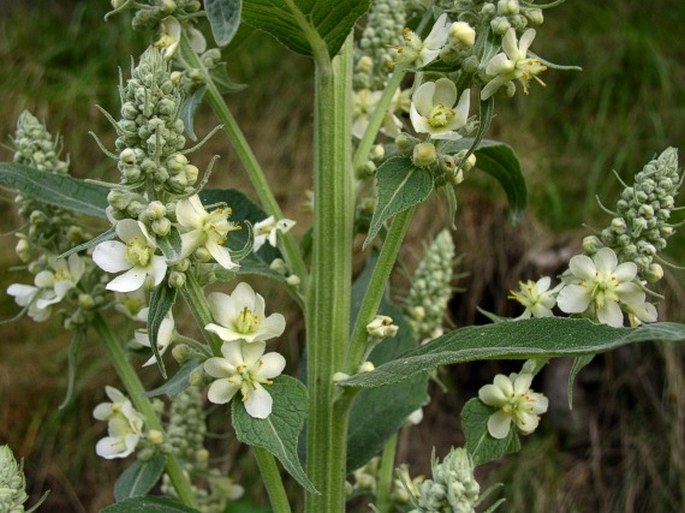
<point x="417" y="52"/>
<point x="124" y="425"/>
<point x="244" y="367"/>
<point x="240" y="316"/>
<point x="512" y="64"/>
<point x="433" y="112"/>
<point x="267" y="230"/>
<point x="165" y="335"/>
<point x="205" y="229"/>
<point x="600" y="286"/>
<point x="537" y="297"/>
<point x="515" y="402"/>
<point x="136" y="256"/>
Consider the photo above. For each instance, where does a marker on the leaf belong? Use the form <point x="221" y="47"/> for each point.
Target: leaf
<point x="108" y="235"/>
<point x="72" y="358"/>
<point x="482" y="446"/>
<point x="148" y="504"/>
<point x="578" y="363"/>
<point x="139" y="478"/>
<point x="378" y="413"/>
<point x="188" y="110"/>
<point x="178" y="383"/>
<point x="58" y="190"/>
<point x="401" y="185"/>
<point x="171" y="245"/>
<point x="528" y="338"/>
<point x="331" y="19"/>
<point x="224" y="19"/>
<point x="279" y="432"/>
<point x="499" y="161"/>
<point x="161" y="301"/>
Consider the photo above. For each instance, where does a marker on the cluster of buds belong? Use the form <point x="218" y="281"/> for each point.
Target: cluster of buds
<point x="374" y="54"/>
<point x="51" y="231"/>
<point x="453" y="488"/>
<point x="640" y="225"/>
<point x="150" y="13"/>
<point x="431" y="288"/>
<point x="12" y="482"/>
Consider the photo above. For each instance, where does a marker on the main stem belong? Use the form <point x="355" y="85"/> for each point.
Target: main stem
<point x="135" y="390"/>
<point x="272" y="480"/>
<point x="328" y="299"/>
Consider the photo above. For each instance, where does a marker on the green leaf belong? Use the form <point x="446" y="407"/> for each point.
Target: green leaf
<point x="378" y="413"/>
<point x="401" y="185"/>
<point x="139" y="478"/>
<point x="245" y="507"/>
<point x="331" y="19"/>
<point x="188" y="110"/>
<point x="72" y="357"/>
<point x="578" y="363"/>
<point x="522" y="339"/>
<point x="161" y="301"/>
<point x="499" y="161"/>
<point x="479" y="443"/>
<point x="108" y="235"/>
<point x="178" y="383"/>
<point x="171" y="245"/>
<point x="224" y="19"/>
<point x="279" y="432"/>
<point x="148" y="504"/>
<point x="55" y="189"/>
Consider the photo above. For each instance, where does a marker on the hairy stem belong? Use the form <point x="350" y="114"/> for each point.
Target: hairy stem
<point x="385" y="476"/>
<point x="272" y="480"/>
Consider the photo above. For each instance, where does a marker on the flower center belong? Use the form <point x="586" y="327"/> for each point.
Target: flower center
<point x="603" y="290"/>
<point x="217" y="226"/>
<point x="247" y="321"/>
<point x="138" y="252"/>
<point x="440" y="116"/>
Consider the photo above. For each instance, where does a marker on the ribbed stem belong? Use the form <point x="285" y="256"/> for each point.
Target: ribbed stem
<point x="386" y="473"/>
<point x="272" y="480"/>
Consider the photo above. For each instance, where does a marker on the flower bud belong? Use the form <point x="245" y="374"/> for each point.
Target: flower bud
<point x="382" y="327"/>
<point x="197" y="377"/>
<point x="161" y="226"/>
<point x="340" y="376"/>
<point x="507" y="7"/>
<point x="293" y="280"/>
<point x="534" y="15"/>
<point x="654" y="273"/>
<point x="86" y="301"/>
<point x="155" y="437"/>
<point x="278" y="265"/>
<point x="462" y="34"/>
<point x="500" y="25"/>
<point x="177" y="279"/>
<point x="424" y="154"/>
<point x="181" y="353"/>
<point x="367" y="366"/>
<point x="23" y="250"/>
<point x="591" y="244"/>
<point x="405" y="143"/>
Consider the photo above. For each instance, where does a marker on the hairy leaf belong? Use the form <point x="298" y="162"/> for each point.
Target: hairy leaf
<point x="224" y="19"/>
<point x="280" y="431"/>
<point x="401" y="185"/>
<point x="161" y="301"/>
<point x="178" y="383"/>
<point x="139" y="478"/>
<point x="188" y="110"/>
<point x="171" y="245"/>
<point x="522" y="339"/>
<point x="107" y="235"/>
<point x="148" y="504"/>
<point x="332" y="20"/>
<point x="55" y="189"/>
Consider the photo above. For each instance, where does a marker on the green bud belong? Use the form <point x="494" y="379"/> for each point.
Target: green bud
<point x="592" y="244"/>
<point x="197" y="377"/>
<point x="12" y="482"/>
<point x="424" y="154"/>
<point x="177" y="279"/>
<point x="86" y="301"/>
<point x="500" y="25"/>
<point x="405" y="143"/>
<point x="181" y="353"/>
<point x="161" y="227"/>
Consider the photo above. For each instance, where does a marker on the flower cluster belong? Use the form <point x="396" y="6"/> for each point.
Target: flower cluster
<point x="12" y="482"/>
<point x="453" y="488"/>
<point x="124" y="425"/>
<point x="243" y="366"/>
<point x="515" y="402"/>
<point x="431" y="288"/>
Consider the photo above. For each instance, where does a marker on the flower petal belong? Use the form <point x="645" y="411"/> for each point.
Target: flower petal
<point x="129" y="229"/>
<point x="610" y="313"/>
<point x="190" y="212"/>
<point x="252" y="352"/>
<point x="445" y="92"/>
<point x="582" y="267"/>
<point x="157" y="269"/>
<point x="272" y="365"/>
<point x="574" y="298"/>
<point x="221" y="255"/>
<point x="423" y="98"/>
<point x="492" y="395"/>
<point x="218" y="367"/>
<point x="499" y="424"/>
<point x="221" y="391"/>
<point x="272" y="326"/>
<point x="110" y="256"/>
<point x="259" y="402"/>
<point x="131" y="280"/>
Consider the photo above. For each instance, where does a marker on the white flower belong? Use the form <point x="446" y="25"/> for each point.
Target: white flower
<point x="131" y="303"/>
<point x="512" y="64"/>
<point x="600" y="285"/>
<point x="536" y="297"/>
<point x="244" y="367"/>
<point x="169" y="37"/>
<point x="124" y="426"/>
<point x="417" y="52"/>
<point x="27" y="296"/>
<point x="515" y="402"/>
<point x="240" y="316"/>
<point x="267" y="230"/>
<point x="136" y="256"/>
<point x="432" y="110"/>
<point x="206" y="229"/>
<point x="64" y="276"/>
<point x="165" y="335"/>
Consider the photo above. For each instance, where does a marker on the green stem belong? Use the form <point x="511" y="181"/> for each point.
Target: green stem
<point x="135" y="390"/>
<point x="244" y="152"/>
<point x="376" y="119"/>
<point x="376" y="289"/>
<point x="272" y="480"/>
<point x="328" y="307"/>
<point x="196" y="301"/>
<point x="385" y="476"/>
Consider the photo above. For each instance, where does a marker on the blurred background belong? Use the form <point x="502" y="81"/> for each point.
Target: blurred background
<point x="622" y="447"/>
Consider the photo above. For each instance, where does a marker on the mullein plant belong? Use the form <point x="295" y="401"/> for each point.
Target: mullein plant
<point x="400" y="113"/>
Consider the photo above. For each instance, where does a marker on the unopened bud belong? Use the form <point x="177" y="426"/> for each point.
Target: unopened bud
<point x="592" y="244"/>
<point x="293" y="280"/>
<point x="367" y="366"/>
<point x="654" y="273"/>
<point x="155" y="437"/>
<point x="424" y="154"/>
<point x="382" y="327"/>
<point x="181" y="353"/>
<point x="177" y="279"/>
<point x="197" y="377"/>
<point x="161" y="227"/>
<point x="340" y="376"/>
<point x="462" y="34"/>
<point x="405" y="143"/>
<point x="507" y="7"/>
<point x="86" y="301"/>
